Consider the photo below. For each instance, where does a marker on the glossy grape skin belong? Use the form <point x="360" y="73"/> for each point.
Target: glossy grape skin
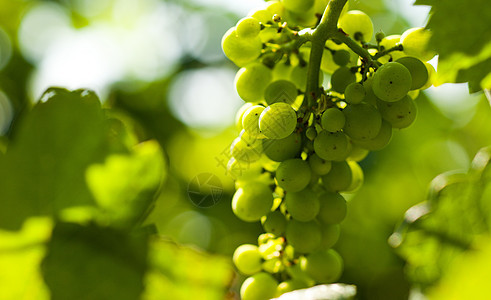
<point x="330" y="235"/>
<point x="274" y="222"/>
<point x="418" y="70"/>
<point x="341" y="78"/>
<point x="252" y="201"/>
<point x="341" y="57"/>
<point x="324" y="266"/>
<point x="280" y="91"/>
<point x="283" y="149"/>
<point x="356" y="21"/>
<point x="332" y="209"/>
<point x="293" y="175"/>
<point x="248" y="27"/>
<point x="331" y="146"/>
<point x="333" y="119"/>
<point x="339" y="178"/>
<point x="247" y="149"/>
<point x="252" y="80"/>
<point x="261" y="286"/>
<point x="240" y="115"/>
<point x="247" y="259"/>
<point x="381" y="140"/>
<point x="298" y="5"/>
<point x="387" y="43"/>
<point x="290" y="285"/>
<point x="363" y="121"/>
<point x="305" y="237"/>
<point x="415" y="42"/>
<point x="250" y="120"/>
<point x="278" y="121"/>
<point x="302" y="206"/>
<point x="354" y="93"/>
<point x="240" y="50"/>
<point x="399" y="114"/>
<point x="391" y="82"/>
<point x="318" y="165"/>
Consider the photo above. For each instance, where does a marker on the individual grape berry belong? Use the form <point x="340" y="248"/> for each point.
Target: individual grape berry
<point x="247" y="149"/>
<point x="293" y="175"/>
<point x="324" y="266"/>
<point x="282" y="71"/>
<point x="298" y="5"/>
<point x="240" y="115"/>
<point x="431" y="75"/>
<point x="243" y="170"/>
<point x="248" y="27"/>
<point x="332" y="208"/>
<point x="354" y="93"/>
<point x="302" y="206"/>
<point x="415" y="42"/>
<point x="341" y="78"/>
<point x="357" y="25"/>
<point x="363" y="121"/>
<point x="305" y="237"/>
<point x="252" y="80"/>
<point x="280" y="91"/>
<point x="262" y="15"/>
<point x="390" y="42"/>
<point x="381" y="140"/>
<point x="250" y="120"/>
<point x="274" y="222"/>
<point x="252" y="201"/>
<point x="419" y="73"/>
<point x="290" y="285"/>
<point x="357" y="153"/>
<point x="247" y="259"/>
<point x="283" y="149"/>
<point x="399" y="114"/>
<point x="318" y="165"/>
<point x="311" y="133"/>
<point x="331" y="145"/>
<point x="357" y="177"/>
<point x="276" y="8"/>
<point x="240" y="50"/>
<point x="339" y="178"/>
<point x="330" y="235"/>
<point x="391" y="82"/>
<point x="278" y="121"/>
<point x="341" y="57"/>
<point x="261" y="286"/>
<point x="333" y="119"/>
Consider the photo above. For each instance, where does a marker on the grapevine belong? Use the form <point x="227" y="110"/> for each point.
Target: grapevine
<point x="302" y="136"/>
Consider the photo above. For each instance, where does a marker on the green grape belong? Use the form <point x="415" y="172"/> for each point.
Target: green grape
<point x="341" y="57"/>
<point x="357" y="24"/>
<point x="332" y="208"/>
<point x="240" y="50"/>
<point x="391" y="82"/>
<point x="331" y="145"/>
<point x="324" y="266"/>
<point x="243" y="171"/>
<point x="247" y="150"/>
<point x="280" y="91"/>
<point x="262" y="15"/>
<point x="305" y="237"/>
<point x="283" y="149"/>
<point x="250" y="120"/>
<point x="431" y="75"/>
<point x="252" y="201"/>
<point x="240" y="115"/>
<point x="273" y="265"/>
<point x="276" y="8"/>
<point x="248" y="27"/>
<point x="419" y="73"/>
<point x="318" y="165"/>
<point x="363" y="121"/>
<point x="357" y="153"/>
<point x="327" y="63"/>
<point x="399" y="114"/>
<point x="265" y="238"/>
<point x="282" y="71"/>
<point x="339" y="178"/>
<point x="269" y="249"/>
<point x="252" y="80"/>
<point x="381" y="140"/>
<point x="415" y="43"/>
<point x="341" y="78"/>
<point x="333" y="119"/>
<point x="387" y="43"/>
<point x="293" y="175"/>
<point x="261" y="286"/>
<point x="302" y="206"/>
<point x="354" y="93"/>
<point x="298" y="5"/>
<point x="298" y="76"/>
<point x="278" y="121"/>
<point x="370" y="97"/>
<point x="356" y="177"/>
<point x="305" y="18"/>
<point x="290" y="285"/>
<point x="311" y="133"/>
<point x="330" y="235"/>
<point x="274" y="222"/>
<point x="247" y="259"/>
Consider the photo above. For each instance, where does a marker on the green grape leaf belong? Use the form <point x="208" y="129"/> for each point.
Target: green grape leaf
<point x="92" y="262"/>
<point x="181" y="273"/>
<point x="448" y="224"/>
<point x="462" y="37"/>
<point x="334" y="291"/>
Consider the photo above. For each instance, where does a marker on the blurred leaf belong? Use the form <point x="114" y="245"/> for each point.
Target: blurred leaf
<point x="20" y="255"/>
<point x="181" y="273"/>
<point x="125" y="185"/>
<point x="462" y="44"/>
<point x="91" y="262"/>
<point x="322" y="292"/>
<point x="437" y="231"/>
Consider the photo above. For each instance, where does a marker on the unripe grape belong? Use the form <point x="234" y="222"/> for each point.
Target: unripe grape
<point x="357" y="177"/>
<point x="252" y="201"/>
<point x="302" y="206"/>
<point x="243" y="170"/>
<point x="278" y="121"/>
<point x="282" y="71"/>
<point x="261" y="286"/>
<point x="431" y="75"/>
<point x="262" y="15"/>
<point x="332" y="208"/>
<point x="298" y="5"/>
<point x="331" y="146"/>
<point x="318" y="165"/>
<point x="330" y="235"/>
<point x="252" y="80"/>
<point x="240" y="115"/>
<point x="293" y="175"/>
<point x="283" y="149"/>
<point x="240" y="50"/>
<point x="341" y="57"/>
<point x="363" y="121"/>
<point x="274" y="222"/>
<point x="324" y="266"/>
<point x="247" y="259"/>
<point x="250" y="120"/>
<point x="391" y="82"/>
<point x="281" y="91"/>
<point x="333" y="119"/>
<point x="415" y="42"/>
<point x="248" y="27"/>
<point x="305" y="237"/>
<point x="247" y="149"/>
<point x="390" y="42"/>
<point x="354" y="93"/>
<point x="339" y="178"/>
<point x="419" y="73"/>
<point x="341" y="78"/>
<point x="381" y="140"/>
<point x="399" y="114"/>
<point x="290" y="285"/>
<point x="357" y="24"/>
<point x="357" y="153"/>
<point x="276" y="8"/>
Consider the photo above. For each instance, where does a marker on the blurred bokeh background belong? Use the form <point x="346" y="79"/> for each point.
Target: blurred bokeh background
<point x="160" y="63"/>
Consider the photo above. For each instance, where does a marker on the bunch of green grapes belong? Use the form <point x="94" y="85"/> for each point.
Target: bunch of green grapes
<point x="298" y="149"/>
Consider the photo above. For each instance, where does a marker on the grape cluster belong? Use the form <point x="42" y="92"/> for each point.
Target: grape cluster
<point x="295" y="157"/>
